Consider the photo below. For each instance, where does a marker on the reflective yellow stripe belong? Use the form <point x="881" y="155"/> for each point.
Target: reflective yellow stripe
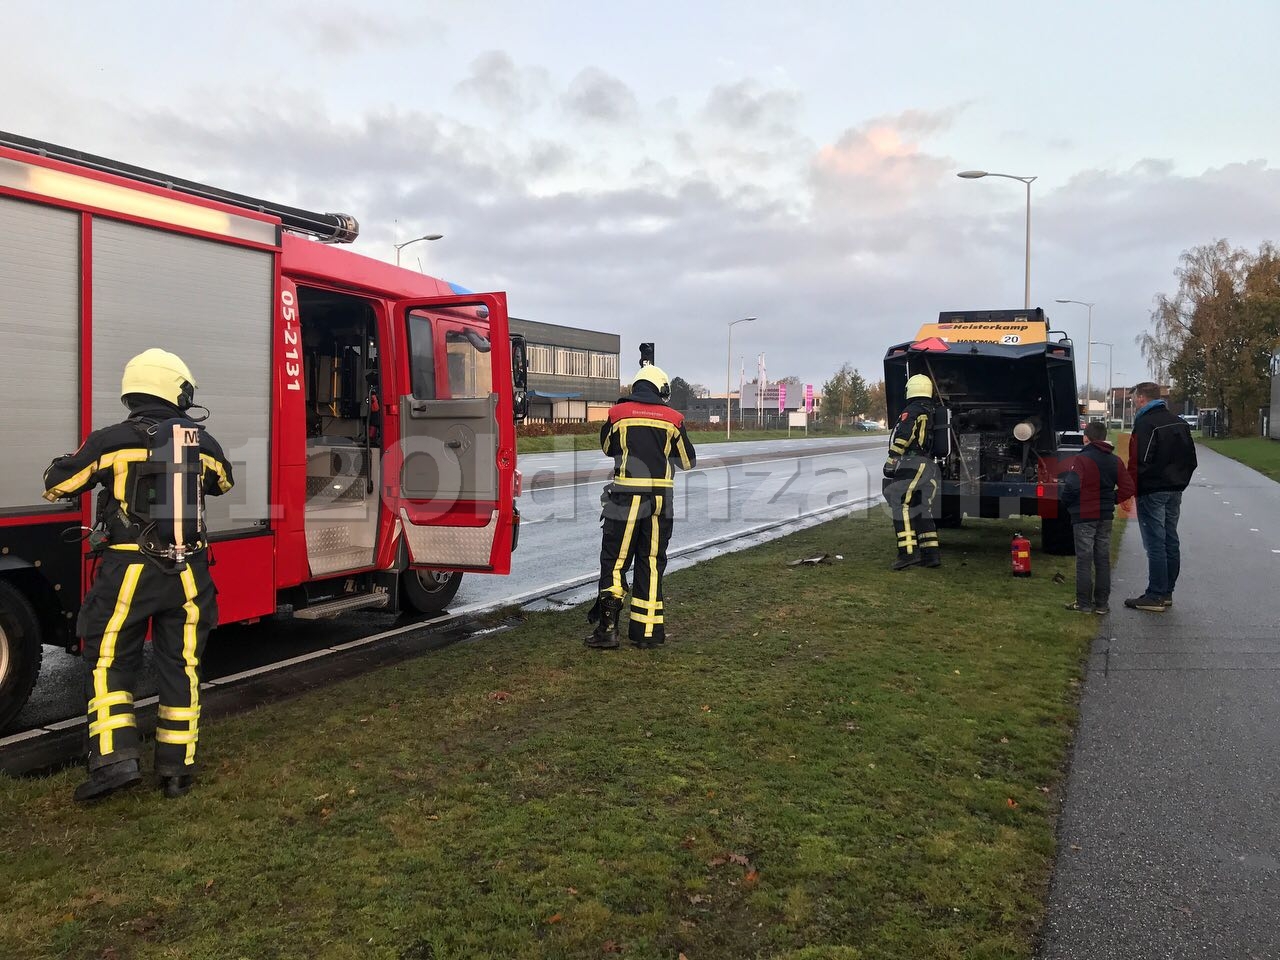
<point x="644" y="604"/>
<point x="646" y="422"/>
<point x="110" y="700"/>
<point x="189" y="636"/>
<point x="906" y="508"/>
<point x="640" y="482"/>
<point x="615" y="587"/>
<point x="188" y="737"/>
<point x="119" y="461"/>
<point x="107" y="651"/>
<point x="124" y="546"/>
<point x="647" y="619"/>
<point x="211" y="463"/>
<point x="112" y="723"/>
<point x="622" y="442"/>
<point x="178" y="713"/>
<point x="651" y="622"/>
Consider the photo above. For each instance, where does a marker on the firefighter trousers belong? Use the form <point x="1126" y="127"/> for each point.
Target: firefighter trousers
<point x="130" y="594"/>
<point x="637" y="529"/>
<point x="912" y="495"/>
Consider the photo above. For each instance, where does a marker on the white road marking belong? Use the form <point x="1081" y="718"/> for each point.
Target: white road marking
<point x="1253" y="529"/>
<point x="1239" y="514"/>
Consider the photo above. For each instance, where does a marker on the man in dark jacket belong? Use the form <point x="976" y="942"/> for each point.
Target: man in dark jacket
<point x="911" y="479"/>
<point x="1094" y="482"/>
<point x="646" y="439"/>
<point x="1162" y="458"/>
<point x="155" y="469"/>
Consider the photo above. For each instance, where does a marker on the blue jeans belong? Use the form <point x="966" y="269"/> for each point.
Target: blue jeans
<point x="1158" y="521"/>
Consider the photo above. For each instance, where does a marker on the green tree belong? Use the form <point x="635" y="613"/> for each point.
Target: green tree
<point x="681" y="393"/>
<point x="845" y="395"/>
<point x="1215" y="336"/>
<point x="877" y="403"/>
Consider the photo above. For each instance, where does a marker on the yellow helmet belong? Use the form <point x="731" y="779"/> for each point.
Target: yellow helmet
<point x="654" y="375"/>
<point x="919" y="386"/>
<point x="159" y="373"/>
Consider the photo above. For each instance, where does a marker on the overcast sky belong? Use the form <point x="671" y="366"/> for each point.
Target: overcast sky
<point x="660" y="169"/>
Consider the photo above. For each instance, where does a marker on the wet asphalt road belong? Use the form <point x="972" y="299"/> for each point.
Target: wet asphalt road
<point x="1168" y="843"/>
<point x="559" y="544"/>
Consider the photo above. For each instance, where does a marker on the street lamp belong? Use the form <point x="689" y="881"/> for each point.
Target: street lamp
<point x="1088" y="353"/>
<point x="1110" y="382"/>
<point x="978" y="174"/>
<point x="401" y="246"/>
<point x="728" y="373"/>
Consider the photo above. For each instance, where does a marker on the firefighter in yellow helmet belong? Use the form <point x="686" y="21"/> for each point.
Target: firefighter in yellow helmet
<point x="155" y="469"/>
<point x="646" y="439"/>
<point x="911" y="479"/>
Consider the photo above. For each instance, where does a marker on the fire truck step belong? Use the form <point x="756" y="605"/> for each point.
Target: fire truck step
<point x="331" y="608"/>
<point x="336" y="561"/>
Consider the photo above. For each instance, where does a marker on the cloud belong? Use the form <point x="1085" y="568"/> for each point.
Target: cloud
<point x="599" y="97"/>
<point x="744" y="108"/>
<point x="496" y="81"/>
<point x="340" y="30"/>
<point x="880" y="167"/>
<point x="839" y="249"/>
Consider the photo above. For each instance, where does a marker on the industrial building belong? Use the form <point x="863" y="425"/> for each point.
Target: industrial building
<point x="573" y="373"/>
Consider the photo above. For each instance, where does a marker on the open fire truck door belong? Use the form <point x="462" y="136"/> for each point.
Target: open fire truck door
<point x="457" y="433"/>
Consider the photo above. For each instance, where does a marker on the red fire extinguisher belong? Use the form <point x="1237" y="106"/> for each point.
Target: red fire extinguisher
<point x="1020" y="551"/>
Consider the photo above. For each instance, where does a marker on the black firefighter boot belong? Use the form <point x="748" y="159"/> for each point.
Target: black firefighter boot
<point x="176" y="786"/>
<point x="906" y="560"/>
<point x="107" y="779"/>
<point x="605" y="635"/>
<point x="931" y="557"/>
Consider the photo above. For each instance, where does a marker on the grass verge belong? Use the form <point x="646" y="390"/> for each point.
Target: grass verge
<point x="832" y="762"/>
<point x="591" y="441"/>
<point x="1260" y="453"/>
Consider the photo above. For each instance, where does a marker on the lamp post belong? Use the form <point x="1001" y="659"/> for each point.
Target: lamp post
<point x="401" y="246"/>
<point x="1110" y="382"/>
<point x="1088" y="352"/>
<point x="978" y="174"/>
<point x="728" y="383"/>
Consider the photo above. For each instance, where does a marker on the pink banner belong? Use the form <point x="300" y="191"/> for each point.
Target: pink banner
<point x="808" y="398"/>
<point x="782" y="397"/>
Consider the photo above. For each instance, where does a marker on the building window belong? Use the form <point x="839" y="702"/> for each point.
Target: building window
<point x="604" y="366"/>
<point x="572" y="363"/>
<point x="540" y="359"/>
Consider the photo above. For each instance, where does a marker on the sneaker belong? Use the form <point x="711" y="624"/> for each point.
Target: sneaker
<point x="1102" y="611"/>
<point x="1168" y="599"/>
<point x="1148" y="602"/>
<point x="1076" y="607"/>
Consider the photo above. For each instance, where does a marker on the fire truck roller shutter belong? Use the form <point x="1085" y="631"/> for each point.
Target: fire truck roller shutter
<point x="212" y="304"/>
<point x="40" y="343"/>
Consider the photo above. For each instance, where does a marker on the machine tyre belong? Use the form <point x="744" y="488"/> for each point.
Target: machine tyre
<point x="21" y="650"/>
<point x="428" y="591"/>
<point x="1056" y="538"/>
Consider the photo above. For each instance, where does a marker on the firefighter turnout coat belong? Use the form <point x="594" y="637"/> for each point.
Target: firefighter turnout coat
<point x="151" y="574"/>
<point x="647" y="441"/>
<point x="911" y="481"/>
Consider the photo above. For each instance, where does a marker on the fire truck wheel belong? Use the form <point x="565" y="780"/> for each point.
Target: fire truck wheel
<point x="20" y="652"/>
<point x="1056" y="537"/>
<point x="429" y="591"/>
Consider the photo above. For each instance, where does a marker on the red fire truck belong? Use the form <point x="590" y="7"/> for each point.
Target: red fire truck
<point x="369" y="411"/>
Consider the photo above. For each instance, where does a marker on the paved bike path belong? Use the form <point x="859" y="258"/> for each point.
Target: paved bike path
<point x="1169" y="843"/>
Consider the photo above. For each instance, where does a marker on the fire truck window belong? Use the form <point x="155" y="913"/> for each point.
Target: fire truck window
<point x="470" y="366"/>
<point x="422" y="356"/>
